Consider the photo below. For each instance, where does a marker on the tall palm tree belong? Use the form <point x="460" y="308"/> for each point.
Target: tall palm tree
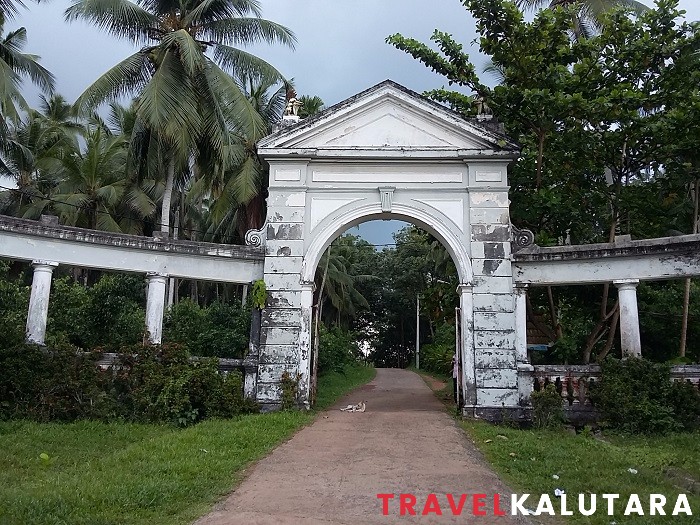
<point x="181" y="75"/>
<point x="589" y="13"/>
<point x="16" y="66"/>
<point x="93" y="182"/>
<point x="234" y="191"/>
<point x="32" y="153"/>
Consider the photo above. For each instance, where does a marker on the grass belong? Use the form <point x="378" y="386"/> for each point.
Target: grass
<point x="666" y="465"/>
<point x="528" y="459"/>
<point x="128" y="474"/>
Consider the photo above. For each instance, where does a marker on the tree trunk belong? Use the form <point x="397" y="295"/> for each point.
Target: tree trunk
<point x="194" y="293"/>
<point x="167" y="198"/>
<point x="553" y="313"/>
<point x="686" y="294"/>
<point x="540" y="160"/>
<point x="611" y="335"/>
<point x="319" y="311"/>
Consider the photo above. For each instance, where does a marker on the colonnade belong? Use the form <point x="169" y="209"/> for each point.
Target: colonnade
<point x="630" y="341"/>
<point x="37" y="315"/>
<point x="156" y="296"/>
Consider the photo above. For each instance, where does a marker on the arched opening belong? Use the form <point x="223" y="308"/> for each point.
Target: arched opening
<point x="386" y="292"/>
<point x="355" y="216"/>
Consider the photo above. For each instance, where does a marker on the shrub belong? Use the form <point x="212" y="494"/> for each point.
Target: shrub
<point x="68" y="312"/>
<point x="638" y="396"/>
<point x="150" y="384"/>
<point x="107" y="315"/>
<point x="116" y="316"/>
<point x="547" y="410"/>
<point x="14" y="302"/>
<point x="337" y="348"/>
<point x="289" y="383"/>
<point x="220" y="330"/>
<point x="437" y="356"/>
<point x="57" y="384"/>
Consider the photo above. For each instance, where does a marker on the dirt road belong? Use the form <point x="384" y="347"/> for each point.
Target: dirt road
<point x="332" y="471"/>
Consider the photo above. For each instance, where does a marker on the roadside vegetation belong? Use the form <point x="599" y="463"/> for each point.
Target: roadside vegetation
<point x="540" y="461"/>
<point x="130" y="473"/>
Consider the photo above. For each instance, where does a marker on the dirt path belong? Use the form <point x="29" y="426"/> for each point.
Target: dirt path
<point x="332" y="471"/>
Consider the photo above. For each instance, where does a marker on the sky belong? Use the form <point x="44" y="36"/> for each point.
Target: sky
<point x="341" y="48"/>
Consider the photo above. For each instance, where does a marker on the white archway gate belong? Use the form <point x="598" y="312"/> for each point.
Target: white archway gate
<point x="390" y="153"/>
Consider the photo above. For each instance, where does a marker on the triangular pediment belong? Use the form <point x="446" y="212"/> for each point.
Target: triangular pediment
<point x="388" y="117"/>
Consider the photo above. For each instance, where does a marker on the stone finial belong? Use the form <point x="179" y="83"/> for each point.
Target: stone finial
<point x="293" y="104"/>
<point x="483" y="111"/>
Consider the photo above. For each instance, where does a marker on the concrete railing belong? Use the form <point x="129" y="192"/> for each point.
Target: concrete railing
<point x="247" y="366"/>
<point x="573" y="381"/>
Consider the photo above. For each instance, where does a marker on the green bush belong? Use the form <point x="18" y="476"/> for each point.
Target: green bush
<point x="108" y="315"/>
<point x="547" y="410"/>
<point x="149" y="384"/>
<point x="437" y="356"/>
<point x="60" y="384"/>
<point x="337" y="348"/>
<point x="219" y="330"/>
<point x="638" y="396"/>
<point x="116" y="315"/>
<point x="14" y="302"/>
<point x="289" y="384"/>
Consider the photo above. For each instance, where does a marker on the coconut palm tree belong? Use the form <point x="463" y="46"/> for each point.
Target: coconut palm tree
<point x="93" y="182"/>
<point x="234" y="191"/>
<point x="32" y="153"/>
<point x="589" y="12"/>
<point x="16" y="66"/>
<point x="182" y="75"/>
<point x="310" y="105"/>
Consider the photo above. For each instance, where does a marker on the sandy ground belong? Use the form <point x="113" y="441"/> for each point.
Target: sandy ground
<point x="331" y="471"/>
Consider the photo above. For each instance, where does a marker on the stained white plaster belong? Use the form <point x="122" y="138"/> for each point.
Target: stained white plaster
<point x="388" y="154"/>
<point x="453" y="209"/>
<point x="629" y="318"/>
<point x="155" y="306"/>
<point x="39" y="301"/>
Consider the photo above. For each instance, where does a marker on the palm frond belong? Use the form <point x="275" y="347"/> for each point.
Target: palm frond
<point x="188" y="50"/>
<point x="128" y="76"/>
<point x="168" y="103"/>
<point x="247" y="31"/>
<point x="212" y="10"/>
<point x="25" y="64"/>
<point x="240" y="111"/>
<point x="121" y="18"/>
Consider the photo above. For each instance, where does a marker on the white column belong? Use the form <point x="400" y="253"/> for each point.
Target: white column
<point x="39" y="301"/>
<point x="307" y="301"/>
<point x="155" y="305"/>
<point x="521" y="322"/>
<point x="629" y="318"/>
<point x="466" y="304"/>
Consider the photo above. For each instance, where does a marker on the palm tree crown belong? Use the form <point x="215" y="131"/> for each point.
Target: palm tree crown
<point x="182" y="76"/>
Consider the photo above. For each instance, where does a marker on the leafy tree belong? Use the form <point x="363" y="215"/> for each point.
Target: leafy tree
<point x="587" y="15"/>
<point x="93" y="182"/>
<point x="595" y="118"/>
